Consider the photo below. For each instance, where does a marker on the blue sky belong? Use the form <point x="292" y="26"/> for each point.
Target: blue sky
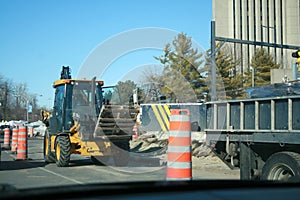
<point x="37" y="37"/>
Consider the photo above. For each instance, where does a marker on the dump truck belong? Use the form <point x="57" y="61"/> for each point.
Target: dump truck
<point x="87" y="120"/>
<point x="260" y="136"/>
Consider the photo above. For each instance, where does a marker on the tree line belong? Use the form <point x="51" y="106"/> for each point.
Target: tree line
<point x="16" y="100"/>
<point x="186" y="74"/>
<point x="185" y="77"/>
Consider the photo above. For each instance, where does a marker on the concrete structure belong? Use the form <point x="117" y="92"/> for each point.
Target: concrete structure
<point x="277" y="75"/>
<point x="272" y="21"/>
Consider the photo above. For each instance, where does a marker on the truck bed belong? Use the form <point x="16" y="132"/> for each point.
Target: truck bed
<point x="251" y="120"/>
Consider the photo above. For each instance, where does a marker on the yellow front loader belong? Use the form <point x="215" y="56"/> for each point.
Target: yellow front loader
<point x="86" y="122"/>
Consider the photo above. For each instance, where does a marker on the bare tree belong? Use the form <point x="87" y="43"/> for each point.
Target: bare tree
<point x="20" y="95"/>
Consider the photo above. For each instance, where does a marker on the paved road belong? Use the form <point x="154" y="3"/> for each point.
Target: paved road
<point x="34" y="172"/>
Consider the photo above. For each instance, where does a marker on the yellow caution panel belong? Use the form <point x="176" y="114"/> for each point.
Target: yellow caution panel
<point x="162" y="115"/>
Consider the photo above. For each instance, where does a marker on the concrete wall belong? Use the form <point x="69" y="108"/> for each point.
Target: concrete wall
<point x="278" y="74"/>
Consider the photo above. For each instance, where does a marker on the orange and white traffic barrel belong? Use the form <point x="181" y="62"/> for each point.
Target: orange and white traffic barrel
<point x="135" y="130"/>
<point x="30" y="131"/>
<point x="6" y="141"/>
<point x="14" y="142"/>
<point x="22" y="143"/>
<point x="179" y="156"/>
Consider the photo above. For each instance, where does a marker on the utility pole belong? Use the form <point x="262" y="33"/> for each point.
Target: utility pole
<point x="252" y="78"/>
<point x="213" y="62"/>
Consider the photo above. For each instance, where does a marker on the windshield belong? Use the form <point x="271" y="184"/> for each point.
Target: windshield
<point x="84" y="107"/>
<point x="104" y="92"/>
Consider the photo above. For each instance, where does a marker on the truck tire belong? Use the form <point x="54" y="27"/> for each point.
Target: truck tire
<point x="282" y="166"/>
<point x="62" y="150"/>
<point x="48" y="155"/>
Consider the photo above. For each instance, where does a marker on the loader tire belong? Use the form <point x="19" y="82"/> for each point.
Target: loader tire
<point x="48" y="155"/>
<point x="62" y="150"/>
<point x="282" y="166"/>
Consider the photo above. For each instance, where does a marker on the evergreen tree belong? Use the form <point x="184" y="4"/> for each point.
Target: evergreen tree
<point x="181" y="78"/>
<point x="228" y="81"/>
<point x="262" y="63"/>
<point x="231" y="79"/>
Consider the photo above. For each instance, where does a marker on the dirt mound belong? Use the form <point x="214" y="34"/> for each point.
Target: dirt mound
<point x="155" y="143"/>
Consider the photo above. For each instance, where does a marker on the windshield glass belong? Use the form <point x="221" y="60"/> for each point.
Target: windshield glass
<point x="137" y="91"/>
<point x="84" y="106"/>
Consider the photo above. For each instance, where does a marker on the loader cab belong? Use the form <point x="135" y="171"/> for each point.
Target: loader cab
<point x="79" y="100"/>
